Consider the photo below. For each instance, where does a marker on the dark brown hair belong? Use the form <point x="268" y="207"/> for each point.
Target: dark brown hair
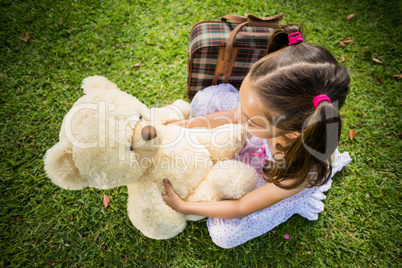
<point x="287" y="80"/>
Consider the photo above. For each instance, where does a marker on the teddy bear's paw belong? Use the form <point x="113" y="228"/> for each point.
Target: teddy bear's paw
<point x="60" y="167"/>
<point x="184" y="107"/>
<point x="150" y="214"/>
<point x="225" y="141"/>
<point x="97" y="82"/>
<point x="179" y="110"/>
<point x="233" y="179"/>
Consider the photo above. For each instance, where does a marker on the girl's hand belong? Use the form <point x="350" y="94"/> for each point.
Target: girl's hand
<point x="171" y="198"/>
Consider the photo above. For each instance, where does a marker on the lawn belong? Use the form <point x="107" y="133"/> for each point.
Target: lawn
<point x="48" y="47"/>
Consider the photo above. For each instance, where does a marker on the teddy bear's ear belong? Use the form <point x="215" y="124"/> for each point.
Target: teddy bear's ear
<point x="60" y="167"/>
<point x="97" y="82"/>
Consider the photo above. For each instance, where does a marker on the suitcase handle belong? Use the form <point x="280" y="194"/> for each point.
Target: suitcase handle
<point x="271" y="21"/>
<point x="250" y="20"/>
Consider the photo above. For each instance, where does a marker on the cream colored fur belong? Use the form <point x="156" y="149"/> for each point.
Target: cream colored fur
<point x="101" y="144"/>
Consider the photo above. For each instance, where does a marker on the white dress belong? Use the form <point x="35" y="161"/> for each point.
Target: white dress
<point x="228" y="233"/>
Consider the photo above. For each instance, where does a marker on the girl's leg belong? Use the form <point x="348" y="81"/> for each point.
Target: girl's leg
<point x="229" y="233"/>
<point x="222" y="97"/>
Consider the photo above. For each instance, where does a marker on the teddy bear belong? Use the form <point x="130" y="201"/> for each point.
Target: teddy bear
<point x="110" y="139"/>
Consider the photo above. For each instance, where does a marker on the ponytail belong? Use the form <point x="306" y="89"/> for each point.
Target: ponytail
<point x="312" y="150"/>
<point x="280" y="38"/>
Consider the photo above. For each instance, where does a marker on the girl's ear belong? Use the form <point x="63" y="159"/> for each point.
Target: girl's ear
<point x="292" y="135"/>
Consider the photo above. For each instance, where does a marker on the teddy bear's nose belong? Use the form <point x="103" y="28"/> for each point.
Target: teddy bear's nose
<point x="148" y="133"/>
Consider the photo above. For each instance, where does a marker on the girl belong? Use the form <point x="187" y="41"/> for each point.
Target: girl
<point x="289" y="103"/>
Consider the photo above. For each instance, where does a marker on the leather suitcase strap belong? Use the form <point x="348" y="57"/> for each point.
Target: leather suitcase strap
<point x="224" y="67"/>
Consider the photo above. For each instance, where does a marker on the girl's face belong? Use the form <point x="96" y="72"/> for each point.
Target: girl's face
<point x="250" y="114"/>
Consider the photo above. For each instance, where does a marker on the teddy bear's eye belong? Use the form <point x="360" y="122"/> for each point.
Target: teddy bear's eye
<point x="131" y="147"/>
<point x="140" y="116"/>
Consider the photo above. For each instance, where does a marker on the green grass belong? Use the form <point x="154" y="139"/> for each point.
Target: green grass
<point x="43" y="225"/>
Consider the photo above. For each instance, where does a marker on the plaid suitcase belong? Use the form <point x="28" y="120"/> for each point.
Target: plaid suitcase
<point x="223" y="52"/>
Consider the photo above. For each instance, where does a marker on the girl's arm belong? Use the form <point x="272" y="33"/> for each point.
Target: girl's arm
<point x="262" y="197"/>
<point x="211" y="120"/>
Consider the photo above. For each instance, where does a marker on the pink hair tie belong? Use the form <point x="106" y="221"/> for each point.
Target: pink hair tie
<point x="320" y="98"/>
<point x="295" y="38"/>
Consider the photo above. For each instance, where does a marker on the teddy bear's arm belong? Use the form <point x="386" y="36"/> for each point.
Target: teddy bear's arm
<point x="223" y="142"/>
<point x="229" y="179"/>
<point x="179" y="110"/>
<point x="149" y="213"/>
<point x="60" y="167"/>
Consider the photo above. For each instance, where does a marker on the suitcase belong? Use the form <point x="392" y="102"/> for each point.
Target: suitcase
<point x="223" y="52"/>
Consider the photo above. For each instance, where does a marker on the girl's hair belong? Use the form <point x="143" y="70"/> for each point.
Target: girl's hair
<point x="286" y="81"/>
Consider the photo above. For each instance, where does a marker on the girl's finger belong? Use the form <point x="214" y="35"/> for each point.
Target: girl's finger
<point x="167" y="185"/>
